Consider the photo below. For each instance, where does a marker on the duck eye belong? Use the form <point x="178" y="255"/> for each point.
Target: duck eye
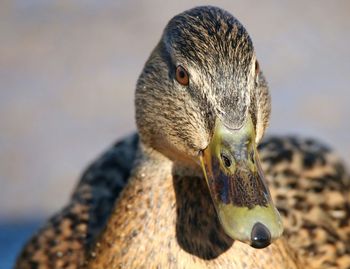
<point x="182" y="75"/>
<point x="257" y="71"/>
<point x="257" y="67"/>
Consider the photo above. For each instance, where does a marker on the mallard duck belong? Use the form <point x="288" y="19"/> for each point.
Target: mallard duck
<point x="190" y="189"/>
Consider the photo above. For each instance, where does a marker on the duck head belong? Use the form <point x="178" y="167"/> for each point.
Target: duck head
<point x="201" y="100"/>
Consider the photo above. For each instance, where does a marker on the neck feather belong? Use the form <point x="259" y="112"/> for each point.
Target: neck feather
<point x="166" y="207"/>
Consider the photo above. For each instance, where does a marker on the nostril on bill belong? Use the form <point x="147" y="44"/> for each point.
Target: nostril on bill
<point x="226" y="160"/>
<point x="260" y="236"/>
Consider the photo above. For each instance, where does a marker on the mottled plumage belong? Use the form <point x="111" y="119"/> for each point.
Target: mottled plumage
<point x="311" y="189"/>
<point x="307" y="181"/>
<point x="146" y="204"/>
<point x="64" y="239"/>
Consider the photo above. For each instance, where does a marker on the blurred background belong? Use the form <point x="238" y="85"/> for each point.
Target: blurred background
<point x="68" y="71"/>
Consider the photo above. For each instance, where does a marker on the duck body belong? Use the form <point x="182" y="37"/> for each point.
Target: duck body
<point x="189" y="191"/>
<point x="320" y="244"/>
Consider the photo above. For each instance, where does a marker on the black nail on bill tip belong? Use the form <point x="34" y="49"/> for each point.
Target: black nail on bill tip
<point x="260" y="236"/>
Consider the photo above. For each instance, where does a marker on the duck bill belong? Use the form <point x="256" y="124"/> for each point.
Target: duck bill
<point x="237" y="186"/>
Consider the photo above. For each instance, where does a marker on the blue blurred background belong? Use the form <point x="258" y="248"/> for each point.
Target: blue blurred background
<point x="68" y="71"/>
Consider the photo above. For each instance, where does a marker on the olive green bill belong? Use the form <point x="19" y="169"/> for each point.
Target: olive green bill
<point x="237" y="186"/>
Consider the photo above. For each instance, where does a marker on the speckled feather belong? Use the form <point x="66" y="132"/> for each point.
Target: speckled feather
<point x="63" y="240"/>
<point x="307" y="181"/>
<point x="312" y="192"/>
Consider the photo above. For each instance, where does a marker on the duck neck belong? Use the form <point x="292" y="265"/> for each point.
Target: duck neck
<point x="164" y="206"/>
